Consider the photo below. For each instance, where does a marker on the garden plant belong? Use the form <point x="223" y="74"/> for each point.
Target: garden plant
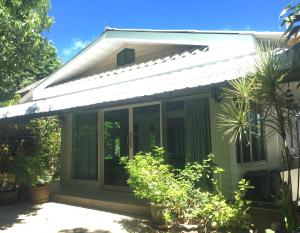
<point x="267" y="87"/>
<point x="190" y="195"/>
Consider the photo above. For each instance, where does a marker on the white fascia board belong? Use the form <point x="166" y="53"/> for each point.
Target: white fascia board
<point x="178" y="38"/>
<point x="86" y="57"/>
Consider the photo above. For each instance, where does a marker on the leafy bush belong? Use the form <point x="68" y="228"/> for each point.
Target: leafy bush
<point x="190" y="195"/>
<point x="46" y="135"/>
<point x="33" y="171"/>
<point x="7" y="182"/>
<point x="38" y="136"/>
<point x="15" y="140"/>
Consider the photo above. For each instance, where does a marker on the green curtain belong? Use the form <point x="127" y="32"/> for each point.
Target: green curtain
<point x="85" y="146"/>
<point x="197" y="129"/>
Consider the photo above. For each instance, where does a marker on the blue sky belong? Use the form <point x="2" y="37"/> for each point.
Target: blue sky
<point x="79" y="22"/>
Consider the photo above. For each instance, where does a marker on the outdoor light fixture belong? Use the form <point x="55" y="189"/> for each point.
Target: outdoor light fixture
<point x="216" y="93"/>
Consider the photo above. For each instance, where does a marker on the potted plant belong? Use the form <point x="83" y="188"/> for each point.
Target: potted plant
<point x="33" y="172"/>
<point x="188" y="199"/>
<point x="151" y="181"/>
<point x="8" y="188"/>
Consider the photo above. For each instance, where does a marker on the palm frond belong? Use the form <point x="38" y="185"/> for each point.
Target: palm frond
<point x="233" y="120"/>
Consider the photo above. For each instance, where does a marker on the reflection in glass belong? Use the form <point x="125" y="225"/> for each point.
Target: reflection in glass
<point x="146" y="127"/>
<point x="116" y="131"/>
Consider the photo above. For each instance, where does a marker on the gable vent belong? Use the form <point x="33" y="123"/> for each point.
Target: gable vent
<point x="125" y="57"/>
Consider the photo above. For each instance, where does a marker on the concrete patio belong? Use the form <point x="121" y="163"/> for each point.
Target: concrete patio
<point x="56" y="217"/>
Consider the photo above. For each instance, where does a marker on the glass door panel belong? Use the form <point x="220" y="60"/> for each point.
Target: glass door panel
<point x="85" y="146"/>
<point x="116" y="131"/>
<point x="146" y="128"/>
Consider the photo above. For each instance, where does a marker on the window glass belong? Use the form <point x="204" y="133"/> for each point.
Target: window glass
<point x="116" y="130"/>
<point x="252" y="149"/>
<point x="187" y="131"/>
<point x="85" y="146"/>
<point x="175" y="134"/>
<point x="146" y="128"/>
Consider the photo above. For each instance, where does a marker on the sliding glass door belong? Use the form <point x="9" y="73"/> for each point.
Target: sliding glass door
<point x="126" y="132"/>
<point x="146" y="127"/>
<point x="116" y="141"/>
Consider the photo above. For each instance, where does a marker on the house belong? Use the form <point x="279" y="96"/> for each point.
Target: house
<point x="132" y="89"/>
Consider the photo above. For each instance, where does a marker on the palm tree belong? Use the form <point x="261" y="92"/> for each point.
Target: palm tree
<point x="267" y="87"/>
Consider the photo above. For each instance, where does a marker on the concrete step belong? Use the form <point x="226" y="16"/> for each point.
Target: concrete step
<point x="120" y="202"/>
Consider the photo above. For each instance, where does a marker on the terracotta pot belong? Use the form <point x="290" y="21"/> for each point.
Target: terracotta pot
<point x="157" y="214"/>
<point x="7" y="198"/>
<point x="40" y="194"/>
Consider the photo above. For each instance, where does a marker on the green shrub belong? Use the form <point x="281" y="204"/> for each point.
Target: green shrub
<point x="151" y="177"/>
<point x="7" y="182"/>
<point x="33" y="171"/>
<point x="190" y="195"/>
<point x="46" y="133"/>
<point x="37" y="136"/>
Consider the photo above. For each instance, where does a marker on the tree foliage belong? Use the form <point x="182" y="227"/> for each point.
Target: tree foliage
<point x="290" y="18"/>
<point x="267" y="87"/>
<point x="25" y="54"/>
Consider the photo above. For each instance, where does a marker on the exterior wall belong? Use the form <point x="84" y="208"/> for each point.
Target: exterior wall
<point x="225" y="154"/>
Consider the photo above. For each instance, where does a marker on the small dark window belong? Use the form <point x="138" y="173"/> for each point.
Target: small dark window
<point x="252" y="149"/>
<point x="125" y="57"/>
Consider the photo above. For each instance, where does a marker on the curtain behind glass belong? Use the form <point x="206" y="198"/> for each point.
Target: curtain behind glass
<point x="85" y="146"/>
<point x="197" y="129"/>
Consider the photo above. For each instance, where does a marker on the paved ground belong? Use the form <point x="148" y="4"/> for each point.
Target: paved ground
<point x="53" y="217"/>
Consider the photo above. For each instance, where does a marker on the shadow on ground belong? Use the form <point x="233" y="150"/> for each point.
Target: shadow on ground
<point x="137" y="225"/>
<point x="12" y="214"/>
<point x="82" y="230"/>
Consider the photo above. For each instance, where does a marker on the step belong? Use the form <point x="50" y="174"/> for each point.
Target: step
<point x="120" y="202"/>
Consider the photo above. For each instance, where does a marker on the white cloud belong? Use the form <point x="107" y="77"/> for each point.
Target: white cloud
<point x="248" y="28"/>
<point x="75" y="46"/>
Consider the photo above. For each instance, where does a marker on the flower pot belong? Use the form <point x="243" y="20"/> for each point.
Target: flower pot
<point x="40" y="194"/>
<point x="7" y="198"/>
<point x="157" y="214"/>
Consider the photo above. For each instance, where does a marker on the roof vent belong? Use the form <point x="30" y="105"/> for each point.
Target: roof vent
<point x="125" y="57"/>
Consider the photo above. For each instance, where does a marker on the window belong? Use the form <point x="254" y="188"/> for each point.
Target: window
<point x="250" y="148"/>
<point x="85" y="146"/>
<point x="187" y="131"/>
<point x="125" y="57"/>
<point x="174" y="133"/>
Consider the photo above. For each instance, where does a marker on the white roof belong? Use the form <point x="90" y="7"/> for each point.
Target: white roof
<point x="112" y="39"/>
<point x="189" y="69"/>
<point x="230" y="55"/>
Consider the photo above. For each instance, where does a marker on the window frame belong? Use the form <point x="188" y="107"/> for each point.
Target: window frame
<point x="261" y="142"/>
